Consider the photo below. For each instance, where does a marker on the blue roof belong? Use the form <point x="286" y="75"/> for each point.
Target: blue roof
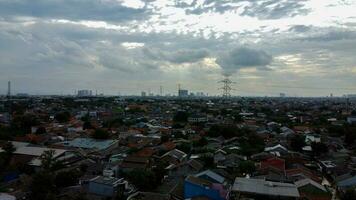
<point x="89" y="143"/>
<point x="349" y="182"/>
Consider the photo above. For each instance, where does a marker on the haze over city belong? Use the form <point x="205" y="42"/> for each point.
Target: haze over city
<point x="298" y="47"/>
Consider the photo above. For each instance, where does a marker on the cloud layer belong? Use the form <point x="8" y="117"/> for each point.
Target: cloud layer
<point x="131" y="45"/>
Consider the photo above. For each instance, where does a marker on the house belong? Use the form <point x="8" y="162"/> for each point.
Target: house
<point x="106" y="186"/>
<point x="134" y="162"/>
<point x="148" y="196"/>
<point x="197" y="119"/>
<point x="220" y="155"/>
<point x="190" y="167"/>
<point x="275" y="162"/>
<point x="277" y="150"/>
<point x="351" y="120"/>
<point x="199" y="187"/>
<point x="347" y="182"/>
<point x="311" y="190"/>
<point x="31" y="155"/>
<point x="262" y="189"/>
<point x="4" y="196"/>
<point x="212" y="177"/>
<point x="100" y="146"/>
<point x="174" y="156"/>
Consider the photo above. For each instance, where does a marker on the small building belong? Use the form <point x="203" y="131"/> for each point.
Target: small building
<point x="106" y="186"/>
<point x="198" y="187"/>
<point x="351" y="120"/>
<point x="101" y="146"/>
<point x="262" y="189"/>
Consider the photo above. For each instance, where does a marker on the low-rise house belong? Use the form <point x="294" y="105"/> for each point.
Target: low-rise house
<point x="195" y="187"/>
<point x="311" y="190"/>
<point x="351" y="120"/>
<point x="174" y="156"/>
<point x="346" y="182"/>
<point x="106" y="186"/>
<point x="262" y="189"/>
<point x="99" y="146"/>
<point x="277" y="150"/>
<point x="134" y="162"/>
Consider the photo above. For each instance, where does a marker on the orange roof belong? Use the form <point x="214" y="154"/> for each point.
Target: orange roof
<point x="146" y="152"/>
<point x="169" y="145"/>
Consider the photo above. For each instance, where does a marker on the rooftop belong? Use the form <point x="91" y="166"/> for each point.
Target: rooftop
<point x="89" y="143"/>
<point x="263" y="187"/>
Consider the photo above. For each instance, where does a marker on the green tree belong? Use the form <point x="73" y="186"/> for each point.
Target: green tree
<point x="144" y="180"/>
<point x="349" y="194"/>
<point x="48" y="161"/>
<point x="247" y="167"/>
<point x="319" y="148"/>
<point x="41" y="130"/>
<point x="43" y="187"/>
<point x="297" y="142"/>
<point x="100" y="134"/>
<point x="63" y="117"/>
<point x="181" y="116"/>
<point x="67" y="178"/>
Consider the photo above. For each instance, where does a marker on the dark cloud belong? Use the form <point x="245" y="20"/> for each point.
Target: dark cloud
<point x="300" y="28"/>
<point x="331" y="35"/>
<point x="108" y="10"/>
<point x="243" y="57"/>
<point x="178" y="57"/>
<point x="262" y="9"/>
<point x="275" y="9"/>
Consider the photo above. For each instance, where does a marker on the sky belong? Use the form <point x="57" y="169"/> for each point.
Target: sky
<point x="267" y="47"/>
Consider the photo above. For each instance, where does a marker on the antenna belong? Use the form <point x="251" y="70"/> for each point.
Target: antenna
<point x="226" y="88"/>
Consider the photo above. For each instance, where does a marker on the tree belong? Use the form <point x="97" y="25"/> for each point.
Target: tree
<point x="144" y="180"/>
<point x="6" y="155"/>
<point x="297" y="142"/>
<point x="319" y="148"/>
<point x="247" y="167"/>
<point x="181" y="116"/>
<point x="200" y="143"/>
<point x="43" y="187"/>
<point x="48" y="161"/>
<point x="208" y="161"/>
<point x="100" y="134"/>
<point x="67" y="178"/>
<point x="63" y="117"/>
<point x="41" y="130"/>
<point x="349" y="194"/>
<point x="185" y="147"/>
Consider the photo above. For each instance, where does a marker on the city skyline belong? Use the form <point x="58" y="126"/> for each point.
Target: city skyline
<point x="268" y="47"/>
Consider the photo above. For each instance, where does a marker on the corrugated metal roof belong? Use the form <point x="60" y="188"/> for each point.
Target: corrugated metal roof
<point x="263" y="187"/>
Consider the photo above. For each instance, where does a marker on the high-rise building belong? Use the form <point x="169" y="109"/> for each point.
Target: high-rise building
<point x="84" y="93"/>
<point x="282" y="95"/>
<point x="182" y="93"/>
<point x="9" y="88"/>
<point x="143" y="94"/>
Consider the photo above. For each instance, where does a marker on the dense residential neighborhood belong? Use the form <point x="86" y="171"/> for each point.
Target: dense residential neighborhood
<point x="148" y="148"/>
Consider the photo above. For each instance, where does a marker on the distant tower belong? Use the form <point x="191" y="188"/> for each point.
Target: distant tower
<point x="226" y="88"/>
<point x="161" y="90"/>
<point x="9" y="88"/>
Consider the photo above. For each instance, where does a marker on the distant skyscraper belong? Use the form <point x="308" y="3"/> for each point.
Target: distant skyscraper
<point x="9" y="88"/>
<point x="84" y="93"/>
<point x="182" y="93"/>
<point x="143" y="94"/>
<point x="282" y="95"/>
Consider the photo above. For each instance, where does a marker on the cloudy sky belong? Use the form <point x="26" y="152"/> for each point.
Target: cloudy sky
<point x="299" y="47"/>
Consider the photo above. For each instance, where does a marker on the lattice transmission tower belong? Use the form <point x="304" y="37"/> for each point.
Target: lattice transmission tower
<point x="227" y="87"/>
